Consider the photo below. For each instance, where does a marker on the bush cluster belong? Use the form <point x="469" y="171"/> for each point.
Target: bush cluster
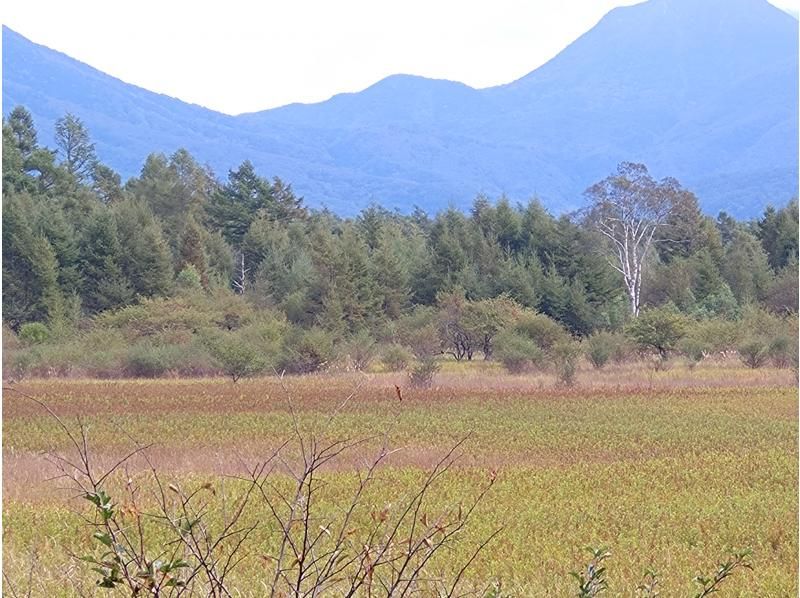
<point x="201" y="334"/>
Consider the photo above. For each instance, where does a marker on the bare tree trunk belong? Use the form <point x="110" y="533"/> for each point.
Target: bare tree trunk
<point x="239" y="283"/>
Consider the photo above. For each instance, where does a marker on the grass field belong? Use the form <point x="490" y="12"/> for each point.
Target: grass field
<point x="669" y="470"/>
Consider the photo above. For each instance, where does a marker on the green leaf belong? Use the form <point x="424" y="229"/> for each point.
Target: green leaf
<point x="105" y="538"/>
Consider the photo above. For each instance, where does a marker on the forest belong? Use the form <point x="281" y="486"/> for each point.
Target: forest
<point x="178" y="271"/>
<point x="213" y="388"/>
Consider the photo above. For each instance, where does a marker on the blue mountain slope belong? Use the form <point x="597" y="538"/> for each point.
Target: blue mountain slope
<point x="703" y="90"/>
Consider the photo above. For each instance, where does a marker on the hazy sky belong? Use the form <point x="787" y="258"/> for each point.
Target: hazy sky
<point x="241" y="56"/>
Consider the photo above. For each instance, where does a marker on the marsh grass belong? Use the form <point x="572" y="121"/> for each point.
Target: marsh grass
<point x="669" y="473"/>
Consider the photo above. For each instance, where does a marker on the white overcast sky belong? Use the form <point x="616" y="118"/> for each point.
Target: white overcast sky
<point x="242" y="56"/>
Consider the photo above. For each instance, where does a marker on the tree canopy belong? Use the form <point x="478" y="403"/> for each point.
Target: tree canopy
<point x="78" y="242"/>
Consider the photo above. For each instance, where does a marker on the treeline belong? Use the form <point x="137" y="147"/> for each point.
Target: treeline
<point x="78" y="244"/>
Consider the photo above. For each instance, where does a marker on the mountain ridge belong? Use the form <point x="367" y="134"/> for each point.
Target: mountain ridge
<point x="665" y="82"/>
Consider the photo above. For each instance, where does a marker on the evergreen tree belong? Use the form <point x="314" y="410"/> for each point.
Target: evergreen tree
<point x="234" y="207"/>
<point x="245" y="197"/>
<point x="508" y="226"/>
<point x="351" y="291"/>
<point x="145" y="260"/>
<point x="746" y="268"/>
<point x="21" y="124"/>
<point x="778" y="233"/>
<point x="75" y="147"/>
<point x="192" y="250"/>
<point x="220" y="260"/>
<point x="105" y="285"/>
<point x="176" y="189"/>
<point x="371" y="222"/>
<point x="51" y="179"/>
<point x="448" y="247"/>
<point x="30" y="270"/>
<point x="727" y="226"/>
<point x="539" y="233"/>
<point x="284" y="205"/>
<point x="14" y="176"/>
<point x="51" y="222"/>
<point x="520" y="278"/>
<point x="106" y="184"/>
<point x="390" y="271"/>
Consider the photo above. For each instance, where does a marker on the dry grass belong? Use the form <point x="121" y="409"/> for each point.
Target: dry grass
<point x="669" y="469"/>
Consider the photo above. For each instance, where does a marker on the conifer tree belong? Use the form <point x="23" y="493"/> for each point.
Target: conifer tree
<point x="390" y="271"/>
<point x="51" y="222"/>
<point x="21" y="124"/>
<point x="191" y="251"/>
<point x="106" y="184"/>
<point x="30" y="270"/>
<point x="75" y="147"/>
<point x="146" y="259"/>
<point x="105" y="285"/>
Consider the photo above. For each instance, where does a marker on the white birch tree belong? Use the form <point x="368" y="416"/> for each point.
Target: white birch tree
<point x="630" y="209"/>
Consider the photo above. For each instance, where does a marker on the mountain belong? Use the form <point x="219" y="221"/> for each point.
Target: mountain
<point x="702" y="90"/>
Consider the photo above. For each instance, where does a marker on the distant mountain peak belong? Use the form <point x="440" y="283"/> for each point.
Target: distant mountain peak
<point x="702" y="90"/>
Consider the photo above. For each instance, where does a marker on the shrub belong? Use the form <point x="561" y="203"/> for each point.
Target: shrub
<point x="306" y="351"/>
<point x="658" y="329"/>
<point x="236" y="357"/>
<point x="105" y="363"/>
<point x="517" y="352"/>
<point x="396" y="358"/>
<point x="418" y="330"/>
<point x="565" y="356"/>
<point x="485" y="318"/>
<point x="693" y="349"/>
<point x="542" y="330"/>
<point x="266" y="334"/>
<point x="34" y="333"/>
<point x="23" y="363"/>
<point x="756" y="321"/>
<point x="189" y="280"/>
<point x="623" y="350"/>
<point x="154" y="316"/>
<point x="11" y="345"/>
<point x="193" y="554"/>
<point x="10" y="339"/>
<point x="421" y="375"/>
<point x="600" y="348"/>
<point x="754" y="353"/>
<point x="150" y="361"/>
<point x="715" y="334"/>
<point x="782" y="350"/>
<point x="360" y="350"/>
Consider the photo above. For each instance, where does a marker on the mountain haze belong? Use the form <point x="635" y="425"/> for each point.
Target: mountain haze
<point x="702" y="90"/>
